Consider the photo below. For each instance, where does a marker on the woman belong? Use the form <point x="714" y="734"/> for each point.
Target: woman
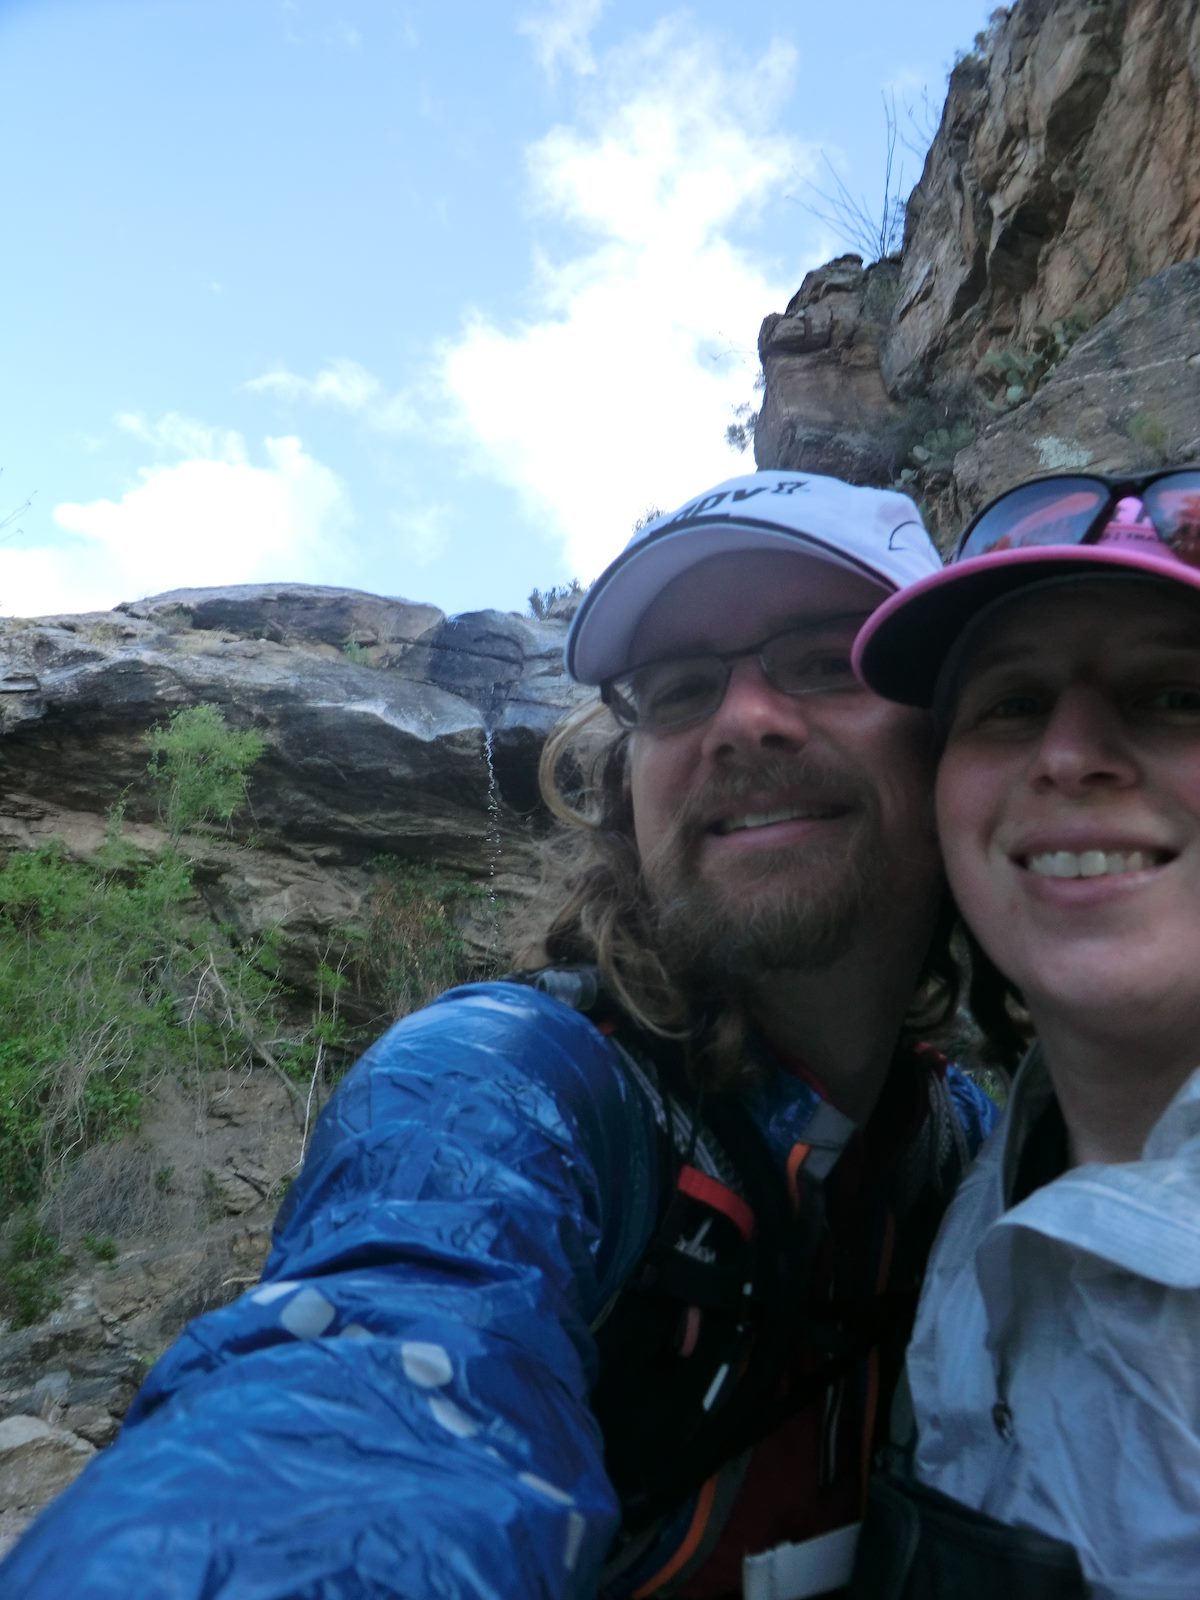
<point x="1055" y="1364"/>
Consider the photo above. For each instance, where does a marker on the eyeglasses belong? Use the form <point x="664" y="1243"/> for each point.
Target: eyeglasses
<point x="1072" y="509"/>
<point x="684" y="689"/>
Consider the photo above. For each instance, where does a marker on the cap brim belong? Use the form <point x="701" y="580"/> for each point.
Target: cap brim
<point x="599" y="646"/>
<point x="902" y="647"/>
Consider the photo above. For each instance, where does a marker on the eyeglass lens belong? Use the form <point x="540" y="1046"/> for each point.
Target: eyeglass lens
<point x="685" y="689"/>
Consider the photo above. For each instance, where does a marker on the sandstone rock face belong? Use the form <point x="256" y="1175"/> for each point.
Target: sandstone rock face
<point x="1044" y="315"/>
<point x="825" y="408"/>
<point x="1130" y="389"/>
<point x="1064" y="173"/>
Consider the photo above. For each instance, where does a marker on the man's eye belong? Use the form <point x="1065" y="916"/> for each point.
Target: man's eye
<point x="680" y="690"/>
<point x="665" y="694"/>
<point x="815" y="669"/>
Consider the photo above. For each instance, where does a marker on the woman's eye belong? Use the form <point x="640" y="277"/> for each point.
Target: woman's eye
<point x="1015" y="705"/>
<point x="1174" y="699"/>
<point x="979" y="708"/>
<point x="1008" y="707"/>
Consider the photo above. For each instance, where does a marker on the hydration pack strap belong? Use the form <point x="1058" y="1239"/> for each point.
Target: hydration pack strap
<point x="801" y="1571"/>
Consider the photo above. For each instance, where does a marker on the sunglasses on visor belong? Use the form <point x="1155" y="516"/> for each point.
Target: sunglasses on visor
<point x="1073" y="509"/>
<point x="683" y="689"/>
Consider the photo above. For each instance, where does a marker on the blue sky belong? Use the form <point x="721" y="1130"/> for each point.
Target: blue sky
<point x="430" y="299"/>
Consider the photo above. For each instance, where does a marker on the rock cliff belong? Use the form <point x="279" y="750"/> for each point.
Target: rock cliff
<point x="389" y="728"/>
<point x="1043" y="313"/>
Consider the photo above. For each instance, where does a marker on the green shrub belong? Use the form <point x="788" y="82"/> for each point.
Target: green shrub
<point x="1016" y="374"/>
<point x="1152" y="436"/>
<point x="199" y="767"/>
<point x="107" y="978"/>
<point x="31" y="1264"/>
<point x="557" y="601"/>
<point x="100" y="1246"/>
<point x="408" y="946"/>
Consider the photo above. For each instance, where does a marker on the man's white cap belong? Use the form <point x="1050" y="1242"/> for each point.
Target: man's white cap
<point x="874" y="532"/>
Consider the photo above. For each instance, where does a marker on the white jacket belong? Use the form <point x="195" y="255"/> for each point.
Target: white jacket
<point x="1055" y="1362"/>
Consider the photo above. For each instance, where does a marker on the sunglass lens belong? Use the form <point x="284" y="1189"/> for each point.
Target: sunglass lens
<point x="1055" y="511"/>
<point x="1174" y="506"/>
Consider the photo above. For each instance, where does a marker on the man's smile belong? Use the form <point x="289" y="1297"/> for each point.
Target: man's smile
<point x="770" y="816"/>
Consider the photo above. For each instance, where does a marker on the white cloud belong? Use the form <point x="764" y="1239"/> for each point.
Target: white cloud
<point x="213" y="517"/>
<point x="424" y="532"/>
<point x="560" y="34"/>
<point x="347" y="384"/>
<point x="175" y="434"/>
<point x="617" y="393"/>
<point x="342" y="383"/>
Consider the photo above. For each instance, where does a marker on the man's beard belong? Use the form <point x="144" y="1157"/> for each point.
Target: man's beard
<point x="794" y="908"/>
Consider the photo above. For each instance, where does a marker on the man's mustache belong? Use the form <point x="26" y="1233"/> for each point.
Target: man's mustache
<point x="794" y="778"/>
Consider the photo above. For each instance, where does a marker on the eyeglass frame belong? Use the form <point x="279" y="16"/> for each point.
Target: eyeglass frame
<point x="1117" y="487"/>
<point x="725" y="660"/>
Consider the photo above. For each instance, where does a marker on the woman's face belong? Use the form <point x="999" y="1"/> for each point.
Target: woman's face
<point x="1068" y="800"/>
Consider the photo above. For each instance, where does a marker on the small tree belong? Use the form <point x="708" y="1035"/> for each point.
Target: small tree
<point x="555" y="600"/>
<point x="200" y="767"/>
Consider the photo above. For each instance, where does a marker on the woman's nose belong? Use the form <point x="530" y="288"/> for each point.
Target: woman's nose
<point x="1084" y="743"/>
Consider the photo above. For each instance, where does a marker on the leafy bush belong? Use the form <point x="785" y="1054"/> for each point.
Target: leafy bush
<point x="408" y="946"/>
<point x="199" y="767"/>
<point x="30" y="1267"/>
<point x="1152" y="437"/>
<point x="559" y="600"/>
<point x="106" y="980"/>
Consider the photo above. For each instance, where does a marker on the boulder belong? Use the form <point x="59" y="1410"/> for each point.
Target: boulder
<point x="37" y="1460"/>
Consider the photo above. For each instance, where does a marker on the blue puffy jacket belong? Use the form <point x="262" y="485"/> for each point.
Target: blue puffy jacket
<point x="401" y="1406"/>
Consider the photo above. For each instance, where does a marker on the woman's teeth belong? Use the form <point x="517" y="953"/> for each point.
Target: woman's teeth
<point x="1090" y="863"/>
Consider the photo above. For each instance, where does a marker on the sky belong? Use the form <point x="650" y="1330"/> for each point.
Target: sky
<point x="431" y="298"/>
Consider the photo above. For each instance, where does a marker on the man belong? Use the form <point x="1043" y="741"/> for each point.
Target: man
<point x="705" y="1144"/>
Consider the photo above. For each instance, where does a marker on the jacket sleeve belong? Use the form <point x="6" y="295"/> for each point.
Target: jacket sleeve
<point x="977" y="1112"/>
<point x="401" y="1406"/>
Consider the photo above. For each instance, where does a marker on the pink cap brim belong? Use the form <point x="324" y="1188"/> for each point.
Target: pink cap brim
<point x="902" y="646"/>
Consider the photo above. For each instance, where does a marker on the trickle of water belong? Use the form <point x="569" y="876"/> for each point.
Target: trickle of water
<point x="493" y="830"/>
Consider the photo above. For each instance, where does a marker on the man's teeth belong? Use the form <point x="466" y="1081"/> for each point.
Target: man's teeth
<point x="764" y="819"/>
<point x="1090" y="863"/>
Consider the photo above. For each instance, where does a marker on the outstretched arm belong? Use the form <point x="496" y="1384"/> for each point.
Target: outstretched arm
<point x="400" y="1408"/>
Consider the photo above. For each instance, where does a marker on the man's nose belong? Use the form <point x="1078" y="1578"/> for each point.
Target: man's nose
<point x="754" y="716"/>
<point x="1084" y="744"/>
